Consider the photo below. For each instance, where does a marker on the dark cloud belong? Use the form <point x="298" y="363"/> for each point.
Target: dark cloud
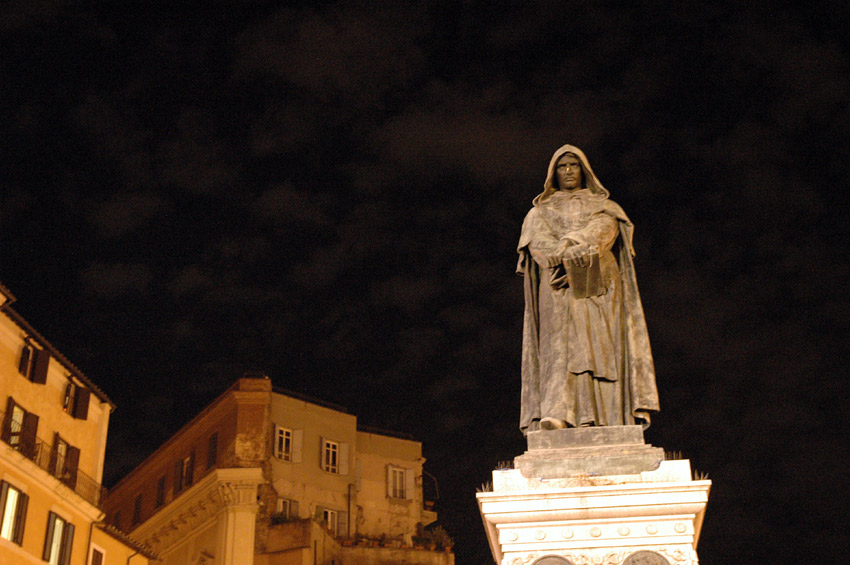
<point x="191" y="158"/>
<point x="114" y="280"/>
<point x="125" y="212"/>
<point x="285" y="204"/>
<point x="338" y="51"/>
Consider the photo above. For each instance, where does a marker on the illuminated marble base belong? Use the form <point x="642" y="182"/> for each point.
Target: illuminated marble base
<point x="652" y="517"/>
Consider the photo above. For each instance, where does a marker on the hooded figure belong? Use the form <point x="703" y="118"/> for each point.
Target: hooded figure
<point x="586" y="359"/>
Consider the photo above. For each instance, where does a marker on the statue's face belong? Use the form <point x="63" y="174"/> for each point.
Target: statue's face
<point x="568" y="171"/>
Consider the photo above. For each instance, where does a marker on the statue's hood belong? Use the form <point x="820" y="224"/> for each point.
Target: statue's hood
<point x="590" y="180"/>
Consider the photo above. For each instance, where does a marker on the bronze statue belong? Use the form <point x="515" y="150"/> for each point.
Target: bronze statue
<point x="586" y="359"/>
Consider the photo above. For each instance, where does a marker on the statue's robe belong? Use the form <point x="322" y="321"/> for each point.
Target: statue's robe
<point x="585" y="360"/>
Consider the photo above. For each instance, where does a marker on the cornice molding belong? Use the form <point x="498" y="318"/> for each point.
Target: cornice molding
<point x="220" y="490"/>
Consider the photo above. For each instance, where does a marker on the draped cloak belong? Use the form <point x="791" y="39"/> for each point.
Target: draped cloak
<point x="586" y="361"/>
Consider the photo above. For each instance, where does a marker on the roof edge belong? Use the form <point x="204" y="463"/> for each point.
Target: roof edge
<point x="27" y="327"/>
<point x="126" y="539"/>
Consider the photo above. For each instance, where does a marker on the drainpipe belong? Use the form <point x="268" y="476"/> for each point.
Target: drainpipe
<point x="351" y="516"/>
<point x="88" y="546"/>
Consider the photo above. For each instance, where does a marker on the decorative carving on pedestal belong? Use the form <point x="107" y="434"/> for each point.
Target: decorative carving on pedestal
<point x="553" y="560"/>
<point x="645" y="558"/>
<point x="607" y="557"/>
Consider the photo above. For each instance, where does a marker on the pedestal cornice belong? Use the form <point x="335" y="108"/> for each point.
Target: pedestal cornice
<point x="587" y="519"/>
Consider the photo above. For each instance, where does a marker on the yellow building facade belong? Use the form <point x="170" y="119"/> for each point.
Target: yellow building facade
<point x="270" y="477"/>
<point x="53" y="427"/>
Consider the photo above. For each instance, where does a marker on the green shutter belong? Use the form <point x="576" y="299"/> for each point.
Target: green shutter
<point x="7" y="420"/>
<point x="72" y="462"/>
<point x="28" y="435"/>
<point x="48" y="539"/>
<point x="39" y="371"/>
<point x="67" y="544"/>
<point x="81" y="403"/>
<point x="23" y="366"/>
<point x="20" y="518"/>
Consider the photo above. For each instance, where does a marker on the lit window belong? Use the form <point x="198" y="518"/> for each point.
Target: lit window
<point x="60" y="538"/>
<point x="16" y="427"/>
<point x="20" y="428"/>
<point x="13" y="504"/>
<point x="68" y="403"/>
<point x="64" y="461"/>
<point x="59" y="455"/>
<point x="330" y="457"/>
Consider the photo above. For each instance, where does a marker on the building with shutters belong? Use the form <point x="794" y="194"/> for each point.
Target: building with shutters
<point x="271" y="477"/>
<point x="52" y="446"/>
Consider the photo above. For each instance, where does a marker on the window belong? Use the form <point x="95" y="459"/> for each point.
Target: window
<point x="116" y="520"/>
<point x="16" y="426"/>
<point x="60" y="453"/>
<point x="330" y="457"/>
<point x="331" y="518"/>
<point x="334" y="457"/>
<point x="287" y="444"/>
<point x="212" y="451"/>
<point x="283" y="444"/>
<point x="58" y="542"/>
<point x="64" y="460"/>
<point x="137" y="509"/>
<point x="97" y="556"/>
<point x="76" y="401"/>
<point x="400" y="482"/>
<point x="183" y="470"/>
<point x="33" y="364"/>
<point x="13" y="505"/>
<point x="395" y="482"/>
<point x="160" y="491"/>
<point x="19" y="428"/>
<point x="287" y="508"/>
<point x="336" y="521"/>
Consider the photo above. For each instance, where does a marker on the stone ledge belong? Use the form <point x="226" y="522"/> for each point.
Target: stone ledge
<point x="585" y="437"/>
<point x="597" y="451"/>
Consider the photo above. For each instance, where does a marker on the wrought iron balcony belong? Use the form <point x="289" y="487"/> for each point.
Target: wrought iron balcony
<point x="45" y="456"/>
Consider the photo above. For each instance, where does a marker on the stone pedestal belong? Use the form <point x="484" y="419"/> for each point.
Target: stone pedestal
<point x="594" y="496"/>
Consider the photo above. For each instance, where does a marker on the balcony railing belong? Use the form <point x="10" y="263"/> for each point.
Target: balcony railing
<point x="42" y="454"/>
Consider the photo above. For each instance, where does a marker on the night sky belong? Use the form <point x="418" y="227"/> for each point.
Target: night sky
<point x="331" y="193"/>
